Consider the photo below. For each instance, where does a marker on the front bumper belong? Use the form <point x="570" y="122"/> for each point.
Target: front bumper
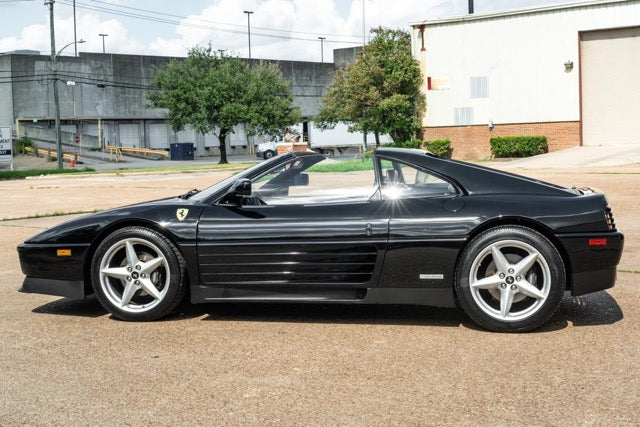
<point x="593" y="259"/>
<point x="62" y="288"/>
<point x="53" y="269"/>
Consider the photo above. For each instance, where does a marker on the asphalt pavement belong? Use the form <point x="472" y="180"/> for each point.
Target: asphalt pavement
<point x="67" y="362"/>
<point x="576" y="157"/>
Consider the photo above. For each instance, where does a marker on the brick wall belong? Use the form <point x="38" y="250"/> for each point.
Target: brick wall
<point x="472" y="142"/>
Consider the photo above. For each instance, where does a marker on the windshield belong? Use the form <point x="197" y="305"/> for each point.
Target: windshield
<point x="215" y="188"/>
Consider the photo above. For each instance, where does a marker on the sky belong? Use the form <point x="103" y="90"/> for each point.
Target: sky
<point x="280" y="29"/>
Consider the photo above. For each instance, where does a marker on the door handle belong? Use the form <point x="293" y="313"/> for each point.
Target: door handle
<point x="369" y="230"/>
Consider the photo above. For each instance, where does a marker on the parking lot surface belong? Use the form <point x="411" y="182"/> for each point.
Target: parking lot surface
<point x="66" y="362"/>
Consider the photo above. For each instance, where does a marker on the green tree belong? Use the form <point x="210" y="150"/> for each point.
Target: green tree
<point x="214" y="93"/>
<point x="380" y="91"/>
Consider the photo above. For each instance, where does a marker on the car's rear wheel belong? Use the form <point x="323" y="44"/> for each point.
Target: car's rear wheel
<point x="138" y="274"/>
<point x="510" y="279"/>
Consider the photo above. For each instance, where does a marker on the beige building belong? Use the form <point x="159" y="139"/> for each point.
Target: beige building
<point x="569" y="72"/>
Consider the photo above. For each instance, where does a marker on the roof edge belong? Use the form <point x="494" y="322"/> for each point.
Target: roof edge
<point x="533" y="10"/>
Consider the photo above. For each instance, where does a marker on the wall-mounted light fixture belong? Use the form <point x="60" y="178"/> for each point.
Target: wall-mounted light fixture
<point x="568" y="66"/>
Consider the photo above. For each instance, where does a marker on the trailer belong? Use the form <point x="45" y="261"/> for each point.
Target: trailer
<point x="333" y="141"/>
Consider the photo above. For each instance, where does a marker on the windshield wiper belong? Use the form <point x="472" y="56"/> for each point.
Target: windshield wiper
<point x="189" y="193"/>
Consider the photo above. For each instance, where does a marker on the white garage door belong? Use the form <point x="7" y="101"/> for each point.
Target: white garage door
<point x="211" y="140"/>
<point x="610" y="86"/>
<point x="158" y="136"/>
<point x="129" y="135"/>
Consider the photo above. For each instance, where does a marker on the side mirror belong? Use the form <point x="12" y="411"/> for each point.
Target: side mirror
<point x="241" y="187"/>
<point x="236" y="192"/>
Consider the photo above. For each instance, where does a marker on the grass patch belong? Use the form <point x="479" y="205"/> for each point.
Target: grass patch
<point x="628" y="271"/>
<point x="343" y="166"/>
<point x="185" y="169"/>
<point x="21" y="174"/>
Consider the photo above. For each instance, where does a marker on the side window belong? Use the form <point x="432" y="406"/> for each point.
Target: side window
<point x="316" y="179"/>
<point x="401" y="180"/>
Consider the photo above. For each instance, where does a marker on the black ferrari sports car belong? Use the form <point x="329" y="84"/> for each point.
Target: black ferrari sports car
<point x="400" y="227"/>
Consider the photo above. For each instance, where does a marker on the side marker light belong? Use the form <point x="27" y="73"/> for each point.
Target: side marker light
<point x="597" y="242"/>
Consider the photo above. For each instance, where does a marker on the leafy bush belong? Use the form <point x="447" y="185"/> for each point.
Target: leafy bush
<point x="416" y="143"/>
<point x="439" y="147"/>
<point x="518" y="146"/>
<point x="23" y="142"/>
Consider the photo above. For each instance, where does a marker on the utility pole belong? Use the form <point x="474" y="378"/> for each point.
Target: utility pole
<point x="364" y="42"/>
<point x="322" y="39"/>
<point x="75" y="38"/>
<point x="249" y="12"/>
<point x="54" y="73"/>
<point x="364" y="31"/>
<point x="103" y="36"/>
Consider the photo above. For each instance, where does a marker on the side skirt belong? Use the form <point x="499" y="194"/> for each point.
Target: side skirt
<point x="437" y="297"/>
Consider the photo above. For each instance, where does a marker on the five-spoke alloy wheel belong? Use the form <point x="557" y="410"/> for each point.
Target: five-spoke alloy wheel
<point x="510" y="279"/>
<point x="137" y="274"/>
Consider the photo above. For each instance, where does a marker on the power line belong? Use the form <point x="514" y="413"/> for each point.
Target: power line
<point x="194" y="25"/>
<point x="207" y="21"/>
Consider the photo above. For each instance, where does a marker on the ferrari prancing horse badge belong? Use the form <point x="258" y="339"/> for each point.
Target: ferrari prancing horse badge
<point x="181" y="214"/>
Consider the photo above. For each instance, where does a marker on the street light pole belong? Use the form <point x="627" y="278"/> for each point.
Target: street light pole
<point x="103" y="36"/>
<point x="322" y="39"/>
<point x="249" y="12"/>
<point x="54" y="73"/>
<point x="75" y="38"/>
<point x="56" y="100"/>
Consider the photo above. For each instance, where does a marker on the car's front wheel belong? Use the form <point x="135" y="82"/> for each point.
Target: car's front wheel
<point x="268" y="154"/>
<point x="138" y="274"/>
<point x="510" y="279"/>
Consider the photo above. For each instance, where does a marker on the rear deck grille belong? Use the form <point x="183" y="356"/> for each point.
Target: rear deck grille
<point x="608" y="216"/>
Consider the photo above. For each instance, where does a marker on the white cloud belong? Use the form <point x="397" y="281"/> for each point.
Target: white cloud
<point x="295" y="20"/>
<point x="37" y="36"/>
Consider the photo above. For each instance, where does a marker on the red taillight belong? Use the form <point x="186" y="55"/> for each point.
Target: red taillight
<point x="597" y="242"/>
<point x="608" y="216"/>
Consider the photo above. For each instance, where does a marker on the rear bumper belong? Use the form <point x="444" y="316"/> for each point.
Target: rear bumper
<point x="592" y="266"/>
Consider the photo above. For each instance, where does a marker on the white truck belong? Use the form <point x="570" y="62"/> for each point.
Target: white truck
<point x="330" y="142"/>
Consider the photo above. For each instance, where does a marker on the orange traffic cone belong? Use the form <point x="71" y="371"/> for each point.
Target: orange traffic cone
<point x="72" y="162"/>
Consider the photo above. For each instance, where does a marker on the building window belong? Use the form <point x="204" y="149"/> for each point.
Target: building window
<point x="479" y="87"/>
<point x="463" y="116"/>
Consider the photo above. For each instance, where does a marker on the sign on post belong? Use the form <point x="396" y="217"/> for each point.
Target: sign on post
<point x="6" y="155"/>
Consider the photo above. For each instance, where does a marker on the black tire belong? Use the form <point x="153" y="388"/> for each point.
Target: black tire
<point x="268" y="154"/>
<point x="510" y="279"/>
<point x="138" y="274"/>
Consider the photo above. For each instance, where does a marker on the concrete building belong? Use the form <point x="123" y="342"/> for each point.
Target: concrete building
<point x="569" y="72"/>
<point x="103" y="100"/>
